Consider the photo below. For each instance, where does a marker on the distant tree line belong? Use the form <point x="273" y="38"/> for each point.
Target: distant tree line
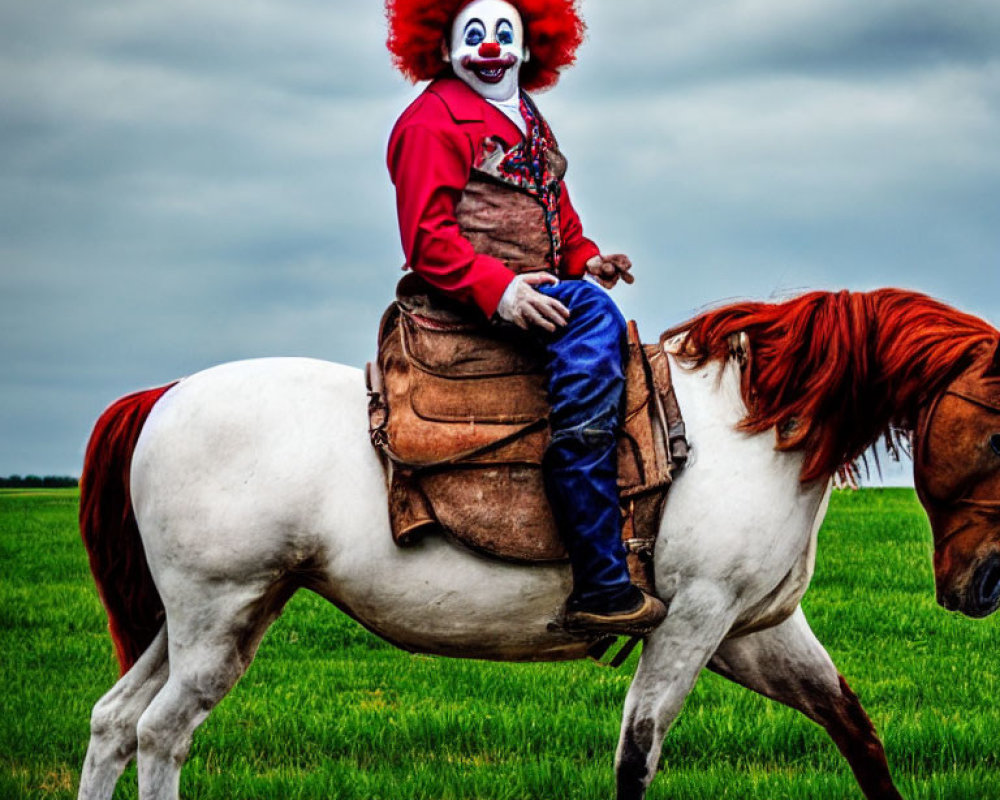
<point x="36" y="482"/>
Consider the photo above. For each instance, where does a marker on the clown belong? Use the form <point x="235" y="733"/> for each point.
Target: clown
<point x="485" y="218"/>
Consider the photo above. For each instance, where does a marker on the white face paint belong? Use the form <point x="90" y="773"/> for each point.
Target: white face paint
<point x="487" y="48"/>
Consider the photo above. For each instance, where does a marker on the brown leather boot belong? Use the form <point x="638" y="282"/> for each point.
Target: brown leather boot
<point x="639" y="620"/>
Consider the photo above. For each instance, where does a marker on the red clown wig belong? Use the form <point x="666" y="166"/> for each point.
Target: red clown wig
<point x="553" y="31"/>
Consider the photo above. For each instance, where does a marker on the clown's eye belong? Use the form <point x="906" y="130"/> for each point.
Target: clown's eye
<point x="475" y="32"/>
<point x="505" y="32"/>
<point x="995" y="443"/>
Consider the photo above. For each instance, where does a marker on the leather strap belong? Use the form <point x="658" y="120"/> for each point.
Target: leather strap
<point x="531" y="427"/>
<point x="600" y="648"/>
<point x="977" y="401"/>
<point x="670" y="411"/>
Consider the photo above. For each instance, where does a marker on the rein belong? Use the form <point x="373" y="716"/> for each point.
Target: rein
<point x="977" y="401"/>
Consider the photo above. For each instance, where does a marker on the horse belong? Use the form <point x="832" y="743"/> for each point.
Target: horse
<point x="206" y="504"/>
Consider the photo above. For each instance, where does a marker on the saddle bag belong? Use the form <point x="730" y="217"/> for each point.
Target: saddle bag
<point x="458" y="410"/>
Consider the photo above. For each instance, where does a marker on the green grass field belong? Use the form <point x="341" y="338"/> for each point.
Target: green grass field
<point x="329" y="711"/>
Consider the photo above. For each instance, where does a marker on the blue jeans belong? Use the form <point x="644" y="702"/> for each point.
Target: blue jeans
<point x="586" y="386"/>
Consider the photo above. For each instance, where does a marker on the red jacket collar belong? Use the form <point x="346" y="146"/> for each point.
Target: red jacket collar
<point x="466" y="106"/>
<point x="462" y="102"/>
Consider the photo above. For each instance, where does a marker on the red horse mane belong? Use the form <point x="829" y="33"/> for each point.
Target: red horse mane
<point x="553" y="30"/>
<point x="835" y="372"/>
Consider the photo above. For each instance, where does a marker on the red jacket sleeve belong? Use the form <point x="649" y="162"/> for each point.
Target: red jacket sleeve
<point x="577" y="249"/>
<point x="430" y="168"/>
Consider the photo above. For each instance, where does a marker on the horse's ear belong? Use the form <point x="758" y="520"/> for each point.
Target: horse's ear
<point x="993" y="365"/>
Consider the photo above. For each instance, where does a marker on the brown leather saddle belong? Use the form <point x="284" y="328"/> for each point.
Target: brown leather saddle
<point x="458" y="409"/>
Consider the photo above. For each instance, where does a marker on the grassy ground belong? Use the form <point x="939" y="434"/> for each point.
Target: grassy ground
<point x="328" y="711"/>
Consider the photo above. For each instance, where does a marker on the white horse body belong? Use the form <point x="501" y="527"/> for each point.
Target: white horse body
<point x="254" y="478"/>
<point x="285" y="442"/>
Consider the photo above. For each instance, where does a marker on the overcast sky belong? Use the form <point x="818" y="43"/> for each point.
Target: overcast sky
<point x="189" y="182"/>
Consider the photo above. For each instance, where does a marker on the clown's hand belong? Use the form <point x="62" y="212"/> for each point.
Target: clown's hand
<point x="525" y="306"/>
<point x="608" y="269"/>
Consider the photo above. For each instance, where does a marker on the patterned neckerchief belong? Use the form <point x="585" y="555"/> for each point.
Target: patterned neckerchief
<point x="528" y="167"/>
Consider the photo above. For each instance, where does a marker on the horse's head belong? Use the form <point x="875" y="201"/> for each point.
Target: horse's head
<point x="957" y="474"/>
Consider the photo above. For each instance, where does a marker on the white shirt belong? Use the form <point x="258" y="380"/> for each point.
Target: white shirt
<point x="512" y="110"/>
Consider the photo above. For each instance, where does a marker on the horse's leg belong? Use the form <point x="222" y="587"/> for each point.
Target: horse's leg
<point x="788" y="664"/>
<point x="214" y="636"/>
<point x="113" y="740"/>
<point x="672" y="658"/>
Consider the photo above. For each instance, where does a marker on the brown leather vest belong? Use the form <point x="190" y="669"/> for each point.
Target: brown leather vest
<point x="500" y="218"/>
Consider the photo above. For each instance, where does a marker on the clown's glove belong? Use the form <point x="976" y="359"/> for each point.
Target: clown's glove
<point x="523" y="305"/>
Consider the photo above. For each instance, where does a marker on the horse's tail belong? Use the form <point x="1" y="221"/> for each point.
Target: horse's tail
<point x="109" y="529"/>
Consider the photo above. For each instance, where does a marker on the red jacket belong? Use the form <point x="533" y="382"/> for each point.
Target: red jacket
<point x="431" y="152"/>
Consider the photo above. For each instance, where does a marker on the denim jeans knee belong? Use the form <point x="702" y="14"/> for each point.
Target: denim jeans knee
<point x="585" y="359"/>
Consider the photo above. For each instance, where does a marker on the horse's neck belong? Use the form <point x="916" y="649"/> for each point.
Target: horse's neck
<point x="708" y="395"/>
<point x="737" y="513"/>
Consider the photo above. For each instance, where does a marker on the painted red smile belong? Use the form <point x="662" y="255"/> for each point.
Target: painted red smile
<point x="489" y="70"/>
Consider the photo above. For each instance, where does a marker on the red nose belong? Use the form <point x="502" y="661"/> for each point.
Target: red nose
<point x="489" y="50"/>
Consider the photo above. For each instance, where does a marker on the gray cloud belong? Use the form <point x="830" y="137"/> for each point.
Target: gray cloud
<point x="194" y="182"/>
<point x="690" y="42"/>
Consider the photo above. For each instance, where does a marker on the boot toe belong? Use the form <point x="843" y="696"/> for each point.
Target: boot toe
<point x="638" y="621"/>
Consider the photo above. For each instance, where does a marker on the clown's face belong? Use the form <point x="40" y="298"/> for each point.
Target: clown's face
<point x="487" y="48"/>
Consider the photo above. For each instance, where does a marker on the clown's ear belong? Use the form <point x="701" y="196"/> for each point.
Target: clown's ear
<point x="527" y="55"/>
<point x="993" y="365"/>
<point x="445" y="51"/>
